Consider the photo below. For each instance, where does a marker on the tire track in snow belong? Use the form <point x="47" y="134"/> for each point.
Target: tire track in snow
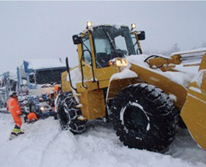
<point x="47" y="148"/>
<point x="64" y="146"/>
<point x="45" y="144"/>
<point x="35" y="141"/>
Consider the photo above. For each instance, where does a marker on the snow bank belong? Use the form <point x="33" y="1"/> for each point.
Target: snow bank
<point x="45" y="144"/>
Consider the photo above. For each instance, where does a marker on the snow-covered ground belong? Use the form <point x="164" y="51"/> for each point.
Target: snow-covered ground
<point x="44" y="144"/>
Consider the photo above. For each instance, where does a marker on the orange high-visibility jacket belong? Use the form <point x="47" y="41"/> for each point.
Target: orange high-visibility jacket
<point x="15" y="110"/>
<point x="31" y="116"/>
<point x="56" y="87"/>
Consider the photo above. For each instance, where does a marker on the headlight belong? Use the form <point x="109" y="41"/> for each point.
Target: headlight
<point x="89" y="24"/>
<point x="42" y="108"/>
<point x="133" y="26"/>
<point x="118" y="62"/>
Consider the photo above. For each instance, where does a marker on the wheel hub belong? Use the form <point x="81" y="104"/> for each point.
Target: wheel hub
<point x="135" y="119"/>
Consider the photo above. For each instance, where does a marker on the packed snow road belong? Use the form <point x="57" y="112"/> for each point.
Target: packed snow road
<point x="45" y="144"/>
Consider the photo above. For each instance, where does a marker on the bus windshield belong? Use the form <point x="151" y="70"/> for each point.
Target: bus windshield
<point x="49" y="76"/>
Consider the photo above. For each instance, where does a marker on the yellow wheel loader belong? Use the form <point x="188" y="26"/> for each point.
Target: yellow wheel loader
<point x="142" y="96"/>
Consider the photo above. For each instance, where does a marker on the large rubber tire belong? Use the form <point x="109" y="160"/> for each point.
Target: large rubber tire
<point x="68" y="114"/>
<point x="144" y="117"/>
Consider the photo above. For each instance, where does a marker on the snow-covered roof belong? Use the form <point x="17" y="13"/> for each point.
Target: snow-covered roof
<point x="113" y="25"/>
<point x="44" y="63"/>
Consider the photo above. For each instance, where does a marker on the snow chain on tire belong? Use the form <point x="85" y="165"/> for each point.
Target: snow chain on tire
<point x="144" y="117"/>
<point x="67" y="113"/>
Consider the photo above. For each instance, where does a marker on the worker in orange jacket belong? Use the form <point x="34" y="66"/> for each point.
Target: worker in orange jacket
<point x="53" y="94"/>
<point x="15" y="110"/>
<point x="31" y="117"/>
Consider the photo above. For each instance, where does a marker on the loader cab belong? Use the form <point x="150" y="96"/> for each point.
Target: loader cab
<point x="98" y="45"/>
<point x="106" y="42"/>
<point x="111" y="42"/>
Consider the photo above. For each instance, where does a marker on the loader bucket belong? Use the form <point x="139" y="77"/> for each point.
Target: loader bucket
<point x="194" y="109"/>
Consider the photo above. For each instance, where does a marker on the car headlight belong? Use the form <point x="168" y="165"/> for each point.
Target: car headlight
<point x="42" y="108"/>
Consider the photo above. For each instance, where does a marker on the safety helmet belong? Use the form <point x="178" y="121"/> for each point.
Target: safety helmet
<point x="11" y="93"/>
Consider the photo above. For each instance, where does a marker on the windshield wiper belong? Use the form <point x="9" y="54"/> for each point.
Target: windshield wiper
<point x="109" y="38"/>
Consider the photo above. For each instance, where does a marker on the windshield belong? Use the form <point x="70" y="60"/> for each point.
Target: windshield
<point x="111" y="42"/>
<point x="49" y="76"/>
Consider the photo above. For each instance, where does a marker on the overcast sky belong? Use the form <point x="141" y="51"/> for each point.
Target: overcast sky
<point x="44" y="29"/>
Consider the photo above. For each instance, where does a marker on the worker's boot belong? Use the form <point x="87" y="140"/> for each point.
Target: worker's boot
<point x="19" y="132"/>
<point x="15" y="132"/>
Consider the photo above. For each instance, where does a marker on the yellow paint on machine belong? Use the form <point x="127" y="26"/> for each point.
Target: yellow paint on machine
<point x="194" y="111"/>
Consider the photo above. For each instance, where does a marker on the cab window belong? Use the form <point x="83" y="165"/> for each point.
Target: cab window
<point x="86" y="50"/>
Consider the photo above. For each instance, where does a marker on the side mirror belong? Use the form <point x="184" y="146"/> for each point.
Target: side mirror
<point x="141" y="35"/>
<point x="77" y="39"/>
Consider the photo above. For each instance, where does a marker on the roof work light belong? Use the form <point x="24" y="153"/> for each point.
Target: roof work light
<point x="89" y="24"/>
<point x="133" y="26"/>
